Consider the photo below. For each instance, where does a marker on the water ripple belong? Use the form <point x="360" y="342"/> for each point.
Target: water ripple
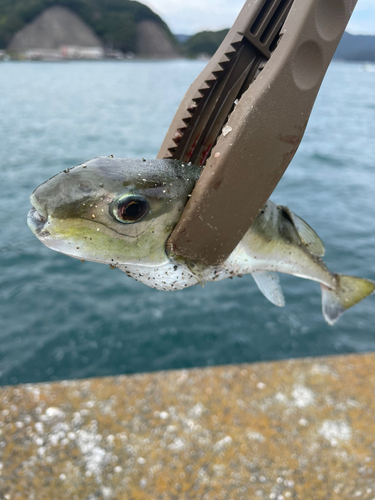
<point x="63" y="319"/>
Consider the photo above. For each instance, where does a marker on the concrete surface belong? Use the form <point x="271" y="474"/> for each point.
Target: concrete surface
<point x="301" y="429"/>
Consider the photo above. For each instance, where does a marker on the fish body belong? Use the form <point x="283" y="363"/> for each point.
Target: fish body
<point x="121" y="212"/>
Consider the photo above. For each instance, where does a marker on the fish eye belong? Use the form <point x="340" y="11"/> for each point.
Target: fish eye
<point x="129" y="209"/>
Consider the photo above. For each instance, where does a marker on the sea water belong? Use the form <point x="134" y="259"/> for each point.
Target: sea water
<point x="61" y="319"/>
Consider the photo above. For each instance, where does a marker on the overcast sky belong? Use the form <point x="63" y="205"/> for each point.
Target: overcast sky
<point x="190" y="16"/>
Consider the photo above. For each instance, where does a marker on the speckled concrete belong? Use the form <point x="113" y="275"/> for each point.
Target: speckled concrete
<point x="300" y="429"/>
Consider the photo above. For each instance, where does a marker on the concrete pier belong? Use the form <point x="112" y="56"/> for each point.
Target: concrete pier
<point x="300" y="429"/>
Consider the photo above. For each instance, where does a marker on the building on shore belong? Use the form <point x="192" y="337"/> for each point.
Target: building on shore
<point x="64" y="52"/>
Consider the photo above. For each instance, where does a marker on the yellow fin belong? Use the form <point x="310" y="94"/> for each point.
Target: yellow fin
<point x="349" y="291"/>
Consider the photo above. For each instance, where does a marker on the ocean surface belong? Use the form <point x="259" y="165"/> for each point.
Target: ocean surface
<point x="61" y="319"/>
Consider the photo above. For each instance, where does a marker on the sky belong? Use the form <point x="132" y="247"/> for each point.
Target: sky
<point x="190" y="16"/>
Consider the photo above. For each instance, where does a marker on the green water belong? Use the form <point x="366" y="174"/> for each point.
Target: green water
<point x="63" y="319"/>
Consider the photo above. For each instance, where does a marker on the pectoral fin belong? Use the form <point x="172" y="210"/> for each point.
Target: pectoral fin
<point x="269" y="284"/>
<point x="198" y="270"/>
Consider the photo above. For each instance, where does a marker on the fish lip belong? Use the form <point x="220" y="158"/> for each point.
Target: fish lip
<point x="38" y="206"/>
<point x="37" y="217"/>
<point x="37" y="222"/>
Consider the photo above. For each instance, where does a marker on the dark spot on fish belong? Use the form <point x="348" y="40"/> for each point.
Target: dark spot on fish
<point x="85" y="186"/>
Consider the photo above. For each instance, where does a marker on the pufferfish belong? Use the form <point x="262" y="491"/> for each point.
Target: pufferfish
<point x="121" y="212"/>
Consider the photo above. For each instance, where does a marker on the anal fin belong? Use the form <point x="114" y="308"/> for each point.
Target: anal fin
<point x="269" y="284"/>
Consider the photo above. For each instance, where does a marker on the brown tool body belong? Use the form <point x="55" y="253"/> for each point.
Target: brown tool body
<point x="275" y="75"/>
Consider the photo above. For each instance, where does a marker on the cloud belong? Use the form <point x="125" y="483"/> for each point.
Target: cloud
<point x="198" y="15"/>
<point x="363" y="19"/>
<point x="195" y="15"/>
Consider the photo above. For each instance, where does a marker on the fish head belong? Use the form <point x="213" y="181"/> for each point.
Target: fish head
<point x="113" y="210"/>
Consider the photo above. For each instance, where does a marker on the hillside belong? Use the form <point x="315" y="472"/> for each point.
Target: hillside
<point x="115" y="22"/>
<point x="351" y="47"/>
<point x="356" y="48"/>
<point x="205" y="42"/>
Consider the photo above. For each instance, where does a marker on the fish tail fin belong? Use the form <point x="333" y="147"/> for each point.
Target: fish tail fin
<point x="348" y="292"/>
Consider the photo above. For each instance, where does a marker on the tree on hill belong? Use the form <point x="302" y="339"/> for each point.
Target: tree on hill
<point x="205" y="42"/>
<point x="356" y="48"/>
<point x="114" y="21"/>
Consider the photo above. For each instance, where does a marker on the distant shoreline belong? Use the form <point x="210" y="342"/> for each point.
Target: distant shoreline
<point x="154" y="59"/>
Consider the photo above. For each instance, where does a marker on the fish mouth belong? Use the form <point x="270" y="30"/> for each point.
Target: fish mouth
<point x="37" y="220"/>
<point x="37" y="223"/>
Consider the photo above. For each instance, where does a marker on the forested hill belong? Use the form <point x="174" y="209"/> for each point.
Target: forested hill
<point x="205" y="42"/>
<point x="351" y="47"/>
<point x="356" y="48"/>
<point x="114" y="21"/>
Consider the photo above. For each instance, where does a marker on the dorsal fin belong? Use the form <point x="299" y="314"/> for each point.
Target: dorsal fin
<point x="269" y="284"/>
<point x="308" y="236"/>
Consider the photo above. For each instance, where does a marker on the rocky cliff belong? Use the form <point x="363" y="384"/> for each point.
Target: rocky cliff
<point x="152" y="42"/>
<point x="55" y="27"/>
<point x="124" y="25"/>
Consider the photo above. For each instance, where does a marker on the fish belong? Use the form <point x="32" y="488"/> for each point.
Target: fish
<point x="121" y="212"/>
